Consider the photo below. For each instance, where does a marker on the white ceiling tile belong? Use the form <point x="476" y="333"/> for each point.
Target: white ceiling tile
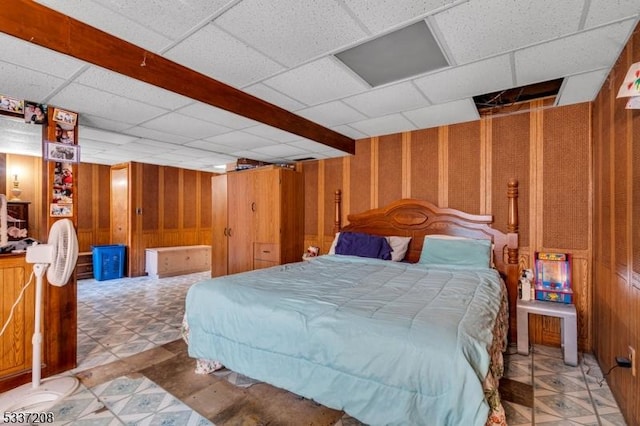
<point x="157" y="135"/>
<point x="183" y="125"/>
<point x="106" y="136"/>
<point x="291" y="31"/>
<point x="309" y="145"/>
<point x="252" y="155"/>
<point x="393" y="123"/>
<point x="98" y="145"/>
<point x="162" y="146"/>
<point x="101" y="123"/>
<point x="349" y="131"/>
<point x="603" y="11"/>
<point x="280" y="150"/>
<point x="112" y="22"/>
<point x="469" y="80"/>
<point x="330" y="81"/>
<point x="216" y="115"/>
<point x="240" y="140"/>
<point x="332" y="152"/>
<point x="479" y="28"/>
<point x="182" y="16"/>
<point x="26" y="83"/>
<point x="331" y="114"/>
<point x="273" y="96"/>
<point x="581" y="87"/>
<point x="269" y="132"/>
<point x="381" y="15"/>
<point x="127" y="87"/>
<point x="83" y="99"/>
<point x="589" y="50"/>
<point x="442" y="114"/>
<point x="34" y="57"/>
<point x="215" y="53"/>
<point x="389" y="99"/>
<point x="142" y="146"/>
<point x="212" y="147"/>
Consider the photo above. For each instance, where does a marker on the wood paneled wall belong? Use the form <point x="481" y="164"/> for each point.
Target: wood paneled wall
<point x="466" y="166"/>
<point x="616" y="233"/>
<point x="170" y="207"/>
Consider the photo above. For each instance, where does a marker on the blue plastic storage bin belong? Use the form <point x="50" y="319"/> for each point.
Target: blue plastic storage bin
<point x="108" y="261"/>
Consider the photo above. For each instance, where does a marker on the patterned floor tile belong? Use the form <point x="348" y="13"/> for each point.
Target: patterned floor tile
<point x="80" y="404"/>
<point x="517" y="414"/>
<point x="562" y="406"/>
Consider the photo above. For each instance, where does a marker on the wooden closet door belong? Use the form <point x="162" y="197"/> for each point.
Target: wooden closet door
<point x="241" y="229"/>
<point x="219" y="240"/>
<point x="267" y="206"/>
<point x="120" y="205"/>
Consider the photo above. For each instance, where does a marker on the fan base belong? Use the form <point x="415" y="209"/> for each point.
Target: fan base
<point x="26" y="398"/>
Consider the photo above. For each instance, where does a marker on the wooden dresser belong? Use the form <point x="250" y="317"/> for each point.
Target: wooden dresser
<point x="258" y="219"/>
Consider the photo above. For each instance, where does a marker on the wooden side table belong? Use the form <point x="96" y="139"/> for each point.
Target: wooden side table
<point x="568" y="326"/>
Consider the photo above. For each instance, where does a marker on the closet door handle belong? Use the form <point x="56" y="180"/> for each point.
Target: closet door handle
<point x="225" y="232"/>
<point x="253" y="206"/>
<point x="229" y="232"/>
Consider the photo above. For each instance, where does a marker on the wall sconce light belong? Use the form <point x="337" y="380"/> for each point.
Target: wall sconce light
<point x="631" y="87"/>
<point x="15" y="190"/>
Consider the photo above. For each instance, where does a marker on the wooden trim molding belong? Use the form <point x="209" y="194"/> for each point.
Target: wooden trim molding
<point x="53" y="30"/>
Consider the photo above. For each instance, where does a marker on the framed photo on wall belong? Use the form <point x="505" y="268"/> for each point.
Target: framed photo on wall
<point x="62" y="152"/>
<point x="66" y="117"/>
<point x="61" y="210"/>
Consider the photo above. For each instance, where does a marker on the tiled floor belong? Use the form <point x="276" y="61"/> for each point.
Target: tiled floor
<point x="119" y="318"/>
<point x="562" y="395"/>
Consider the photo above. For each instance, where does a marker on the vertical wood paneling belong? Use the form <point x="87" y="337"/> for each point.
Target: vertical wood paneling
<point x="566" y="189"/>
<point x="191" y="201"/>
<point x="170" y="192"/>
<point x="310" y="198"/>
<point x="510" y="135"/>
<point x="204" y="183"/>
<point x="464" y="167"/>
<point x="616" y="256"/>
<point x="389" y="168"/>
<point x="424" y="164"/>
<point x="150" y="199"/>
<point x="360" y="189"/>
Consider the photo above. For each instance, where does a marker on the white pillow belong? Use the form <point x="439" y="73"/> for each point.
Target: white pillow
<point x="332" y="249"/>
<point x="399" y="245"/>
<point x="456" y="237"/>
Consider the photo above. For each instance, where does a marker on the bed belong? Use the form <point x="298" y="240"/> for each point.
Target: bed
<point x="415" y="341"/>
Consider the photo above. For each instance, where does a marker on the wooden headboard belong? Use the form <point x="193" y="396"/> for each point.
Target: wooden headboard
<point x="417" y="218"/>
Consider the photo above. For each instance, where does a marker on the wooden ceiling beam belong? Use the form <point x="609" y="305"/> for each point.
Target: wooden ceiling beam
<point x="38" y="24"/>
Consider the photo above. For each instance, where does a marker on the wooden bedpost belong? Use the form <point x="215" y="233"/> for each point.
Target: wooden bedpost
<point x="513" y="272"/>
<point x="512" y="224"/>
<point x="337" y="224"/>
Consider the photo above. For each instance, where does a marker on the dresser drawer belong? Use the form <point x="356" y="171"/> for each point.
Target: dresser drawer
<point x="266" y="251"/>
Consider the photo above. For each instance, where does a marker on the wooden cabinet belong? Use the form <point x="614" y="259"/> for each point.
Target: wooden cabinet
<point x="258" y="219"/>
<point x="15" y="343"/>
<point x="170" y="261"/>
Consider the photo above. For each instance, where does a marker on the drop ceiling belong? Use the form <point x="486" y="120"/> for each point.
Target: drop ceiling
<point x="284" y="52"/>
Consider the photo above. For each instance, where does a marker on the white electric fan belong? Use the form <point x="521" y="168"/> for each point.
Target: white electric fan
<point x="59" y="256"/>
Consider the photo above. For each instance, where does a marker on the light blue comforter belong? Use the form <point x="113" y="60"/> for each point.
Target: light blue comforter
<point x="388" y="342"/>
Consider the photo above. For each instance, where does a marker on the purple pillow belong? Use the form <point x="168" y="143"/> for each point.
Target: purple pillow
<point x="363" y="245"/>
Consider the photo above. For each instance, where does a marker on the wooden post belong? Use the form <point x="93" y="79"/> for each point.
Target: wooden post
<point x="337" y="223"/>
